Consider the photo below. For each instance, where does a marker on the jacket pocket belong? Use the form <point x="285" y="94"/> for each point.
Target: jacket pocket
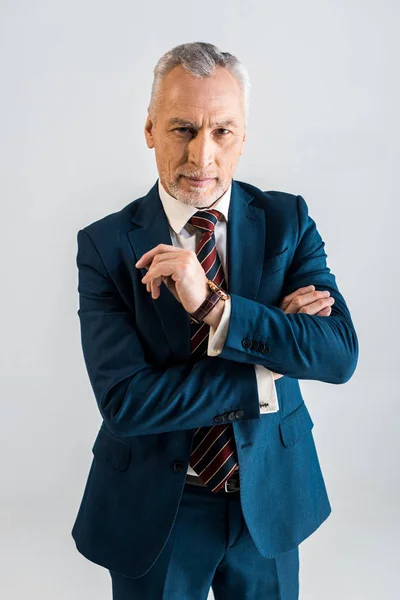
<point x="295" y="425"/>
<point x="274" y="263"/>
<point x="111" y="450"/>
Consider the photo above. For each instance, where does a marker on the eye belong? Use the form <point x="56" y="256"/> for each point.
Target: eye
<point x="222" y="131"/>
<point x="183" y="129"/>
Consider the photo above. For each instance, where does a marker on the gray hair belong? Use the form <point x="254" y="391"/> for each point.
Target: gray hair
<point x="199" y="59"/>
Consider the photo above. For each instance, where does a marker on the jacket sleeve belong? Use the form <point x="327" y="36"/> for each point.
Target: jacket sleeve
<point x="298" y="345"/>
<point x="134" y="397"/>
<point x="267" y="395"/>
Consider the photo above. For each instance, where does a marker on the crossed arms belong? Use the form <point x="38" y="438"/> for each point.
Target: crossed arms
<point x="136" y="398"/>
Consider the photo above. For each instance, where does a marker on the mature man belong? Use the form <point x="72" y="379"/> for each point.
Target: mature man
<point x="202" y="304"/>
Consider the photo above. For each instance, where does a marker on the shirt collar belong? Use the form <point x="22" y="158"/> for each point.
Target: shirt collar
<point x="178" y="213"/>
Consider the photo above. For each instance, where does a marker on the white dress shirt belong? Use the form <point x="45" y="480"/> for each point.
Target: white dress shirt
<point x="185" y="235"/>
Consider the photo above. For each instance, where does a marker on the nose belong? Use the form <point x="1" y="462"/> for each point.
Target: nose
<point x="201" y="151"/>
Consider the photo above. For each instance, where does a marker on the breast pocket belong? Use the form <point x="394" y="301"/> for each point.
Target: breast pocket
<point x="272" y="278"/>
<point x="273" y="264"/>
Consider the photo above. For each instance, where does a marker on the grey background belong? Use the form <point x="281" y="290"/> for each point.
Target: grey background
<point x="75" y="79"/>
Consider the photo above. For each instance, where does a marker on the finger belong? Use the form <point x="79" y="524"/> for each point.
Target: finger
<point x="314" y="307"/>
<point x="302" y="290"/>
<point x="162" y="268"/>
<point x="286" y="300"/>
<point x="150" y="288"/>
<point x="325" y="312"/>
<point x="155" y="287"/>
<point x="160" y="249"/>
<point x="304" y="299"/>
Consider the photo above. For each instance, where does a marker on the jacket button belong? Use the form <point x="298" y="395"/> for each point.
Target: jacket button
<point x="246" y="343"/>
<point x="261" y="347"/>
<point x="178" y="467"/>
<point x="239" y="414"/>
<point x="219" y="419"/>
<point x="254" y="345"/>
<point x="266" y="350"/>
<point x="232" y="416"/>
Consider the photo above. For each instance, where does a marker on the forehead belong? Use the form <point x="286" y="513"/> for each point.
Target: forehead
<point x="184" y="94"/>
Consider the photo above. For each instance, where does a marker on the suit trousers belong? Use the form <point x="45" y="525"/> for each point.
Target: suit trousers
<point x="211" y="547"/>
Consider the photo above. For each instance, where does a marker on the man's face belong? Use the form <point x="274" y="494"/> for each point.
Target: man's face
<point x="198" y="134"/>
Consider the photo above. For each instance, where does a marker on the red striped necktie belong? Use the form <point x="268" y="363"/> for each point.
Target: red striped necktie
<point x="213" y="456"/>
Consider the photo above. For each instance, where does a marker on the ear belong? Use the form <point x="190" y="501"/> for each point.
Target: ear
<point x="148" y="131"/>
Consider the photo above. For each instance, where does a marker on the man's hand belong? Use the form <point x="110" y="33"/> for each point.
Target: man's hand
<point x="181" y="272"/>
<point x="306" y="300"/>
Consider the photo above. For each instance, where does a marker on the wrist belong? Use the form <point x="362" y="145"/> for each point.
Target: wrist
<point x="210" y="310"/>
<point x="213" y="318"/>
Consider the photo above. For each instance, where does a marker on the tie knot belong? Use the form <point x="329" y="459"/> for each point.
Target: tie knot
<point x="205" y="219"/>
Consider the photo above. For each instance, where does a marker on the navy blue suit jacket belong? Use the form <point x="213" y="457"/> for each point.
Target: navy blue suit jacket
<point x="152" y="396"/>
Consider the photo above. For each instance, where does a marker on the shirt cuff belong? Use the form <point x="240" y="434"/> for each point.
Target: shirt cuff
<point x="268" y="398"/>
<point x="217" y="337"/>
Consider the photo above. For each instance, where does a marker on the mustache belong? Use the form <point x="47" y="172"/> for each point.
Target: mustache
<point x="198" y="175"/>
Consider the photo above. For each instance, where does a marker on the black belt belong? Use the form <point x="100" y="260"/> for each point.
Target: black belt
<point x="232" y="484"/>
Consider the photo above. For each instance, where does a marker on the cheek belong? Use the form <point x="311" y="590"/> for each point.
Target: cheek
<point x="165" y="157"/>
<point x="174" y="153"/>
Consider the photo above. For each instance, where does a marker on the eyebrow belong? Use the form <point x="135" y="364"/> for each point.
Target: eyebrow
<point x="184" y="123"/>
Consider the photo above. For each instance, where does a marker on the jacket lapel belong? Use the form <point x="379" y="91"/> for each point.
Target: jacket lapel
<point x="245" y="243"/>
<point x="245" y="255"/>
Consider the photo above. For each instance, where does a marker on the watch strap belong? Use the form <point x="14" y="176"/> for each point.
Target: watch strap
<point x="204" y="308"/>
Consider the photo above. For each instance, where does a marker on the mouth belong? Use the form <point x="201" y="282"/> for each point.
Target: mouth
<point x="199" y="181"/>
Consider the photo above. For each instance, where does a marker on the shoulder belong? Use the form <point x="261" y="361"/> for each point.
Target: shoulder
<point x="275" y="202"/>
<point x="269" y="197"/>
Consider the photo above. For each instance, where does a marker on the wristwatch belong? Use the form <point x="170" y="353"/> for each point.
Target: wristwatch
<point x="216" y="294"/>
